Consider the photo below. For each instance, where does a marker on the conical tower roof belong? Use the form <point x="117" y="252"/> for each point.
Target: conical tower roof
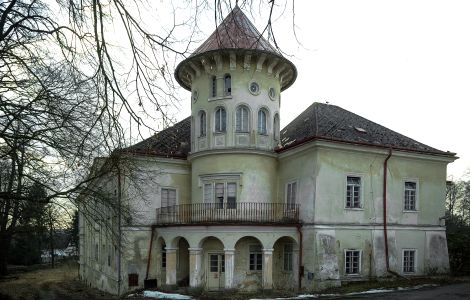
<point x="236" y="34"/>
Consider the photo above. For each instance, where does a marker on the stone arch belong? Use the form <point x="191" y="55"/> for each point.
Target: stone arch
<point x="285" y="263"/>
<point x="248" y="271"/>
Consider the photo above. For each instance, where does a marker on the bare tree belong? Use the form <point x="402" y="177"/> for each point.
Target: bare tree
<point x="67" y="84"/>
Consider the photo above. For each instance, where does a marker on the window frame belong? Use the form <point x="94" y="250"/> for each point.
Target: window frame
<point x="416" y="196"/>
<point x="213" y="86"/>
<point x="163" y="257"/>
<point x="240" y="108"/>
<point x="161" y="195"/>
<point x="202" y="116"/>
<point x="359" y="267"/>
<point x="276" y="127"/>
<point x="262" y="123"/>
<point x="415" y="260"/>
<point x="225" y="204"/>
<point x="227" y="87"/>
<point x="296" y="194"/>
<point x="290" y="258"/>
<point x="256" y="266"/>
<point x="223" y="125"/>
<point x="361" y="193"/>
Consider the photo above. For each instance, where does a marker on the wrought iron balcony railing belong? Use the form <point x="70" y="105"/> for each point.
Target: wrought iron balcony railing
<point x="234" y="213"/>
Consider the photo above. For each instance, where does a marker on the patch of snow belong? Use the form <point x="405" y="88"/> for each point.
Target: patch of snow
<point x="160" y="295"/>
<point x="372" y="291"/>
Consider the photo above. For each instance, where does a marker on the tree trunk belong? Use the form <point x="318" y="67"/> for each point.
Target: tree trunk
<point x="5" y="242"/>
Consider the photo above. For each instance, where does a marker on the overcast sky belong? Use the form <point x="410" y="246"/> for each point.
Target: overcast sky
<point x="402" y="64"/>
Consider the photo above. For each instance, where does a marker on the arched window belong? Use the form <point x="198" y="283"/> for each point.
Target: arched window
<point x="276" y="128"/>
<point x="220" y="120"/>
<point x="242" y="119"/>
<point x="262" y="122"/>
<point x="202" y="123"/>
<point x="214" y="86"/>
<point x="227" y="85"/>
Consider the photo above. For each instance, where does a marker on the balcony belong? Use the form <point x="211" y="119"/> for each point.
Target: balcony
<point x="228" y="213"/>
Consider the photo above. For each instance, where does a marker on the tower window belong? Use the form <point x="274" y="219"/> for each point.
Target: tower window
<point x="220" y="120"/>
<point x="202" y="123"/>
<point x="276" y="128"/>
<point x="262" y="122"/>
<point x="254" y="88"/>
<point x="242" y="119"/>
<point x="227" y="85"/>
<point x="214" y="86"/>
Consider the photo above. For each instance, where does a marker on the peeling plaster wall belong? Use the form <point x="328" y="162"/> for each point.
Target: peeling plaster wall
<point x="436" y="258"/>
<point x="244" y="278"/>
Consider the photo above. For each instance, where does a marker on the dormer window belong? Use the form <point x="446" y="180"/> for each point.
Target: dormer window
<point x="227" y="85"/>
<point x="214" y="86"/>
<point x="262" y="116"/>
<point x="220" y="120"/>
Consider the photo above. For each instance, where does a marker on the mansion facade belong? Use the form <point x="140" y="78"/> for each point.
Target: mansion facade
<point x="230" y="200"/>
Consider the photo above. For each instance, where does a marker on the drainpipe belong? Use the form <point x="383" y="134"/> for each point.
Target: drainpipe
<point x="385" y="216"/>
<point x="150" y="254"/>
<point x="119" y="229"/>
<point x="301" y="269"/>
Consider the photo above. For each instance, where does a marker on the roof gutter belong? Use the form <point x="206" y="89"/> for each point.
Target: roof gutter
<point x="321" y="138"/>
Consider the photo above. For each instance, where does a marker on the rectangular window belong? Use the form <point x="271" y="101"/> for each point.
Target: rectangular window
<point x="207" y="192"/>
<point x="353" y="192"/>
<point x="256" y="258"/>
<point x="96" y="252"/>
<point x="231" y="195"/>
<point x="409" y="261"/>
<point x="214" y="86"/>
<point x="291" y="195"/>
<point x="352" y="262"/>
<point x="288" y="259"/>
<point x="163" y="262"/>
<point x="219" y="195"/>
<point x="168" y="197"/>
<point x="410" y="195"/>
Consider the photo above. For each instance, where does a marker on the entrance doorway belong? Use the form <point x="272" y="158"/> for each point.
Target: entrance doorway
<point x="216" y="274"/>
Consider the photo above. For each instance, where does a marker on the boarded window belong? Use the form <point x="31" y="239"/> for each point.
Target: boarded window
<point x="133" y="279"/>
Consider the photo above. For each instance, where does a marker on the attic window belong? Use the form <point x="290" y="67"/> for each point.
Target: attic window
<point x="360" y="129"/>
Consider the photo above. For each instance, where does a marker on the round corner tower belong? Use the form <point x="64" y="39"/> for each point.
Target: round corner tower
<point x="235" y="78"/>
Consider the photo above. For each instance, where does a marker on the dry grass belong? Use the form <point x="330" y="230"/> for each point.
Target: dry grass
<point x="58" y="283"/>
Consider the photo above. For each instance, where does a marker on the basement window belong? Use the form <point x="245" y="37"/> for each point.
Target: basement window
<point x="133" y="279"/>
<point x="352" y="262"/>
<point x="409" y="261"/>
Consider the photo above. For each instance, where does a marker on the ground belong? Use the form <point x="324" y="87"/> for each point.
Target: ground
<point x="62" y="283"/>
<point x="51" y="284"/>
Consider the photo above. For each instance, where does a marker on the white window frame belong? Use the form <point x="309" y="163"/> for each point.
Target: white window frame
<point x="415" y="260"/>
<point x="263" y="124"/>
<point x="221" y="127"/>
<point x="225" y="182"/>
<point x="213" y="86"/>
<point x="286" y="194"/>
<point x="202" y="125"/>
<point x="416" y="208"/>
<point x="345" y="262"/>
<point x="289" y="256"/>
<point x="244" y="126"/>
<point x="168" y="188"/>
<point x="361" y="192"/>
<point x="227" y="87"/>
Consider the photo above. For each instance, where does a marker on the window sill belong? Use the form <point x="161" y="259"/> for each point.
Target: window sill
<point x="411" y="211"/>
<point x="263" y="134"/>
<point x="220" y="98"/>
<point x="219" y="132"/>
<point x="354" y="208"/>
<point x="353" y="275"/>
